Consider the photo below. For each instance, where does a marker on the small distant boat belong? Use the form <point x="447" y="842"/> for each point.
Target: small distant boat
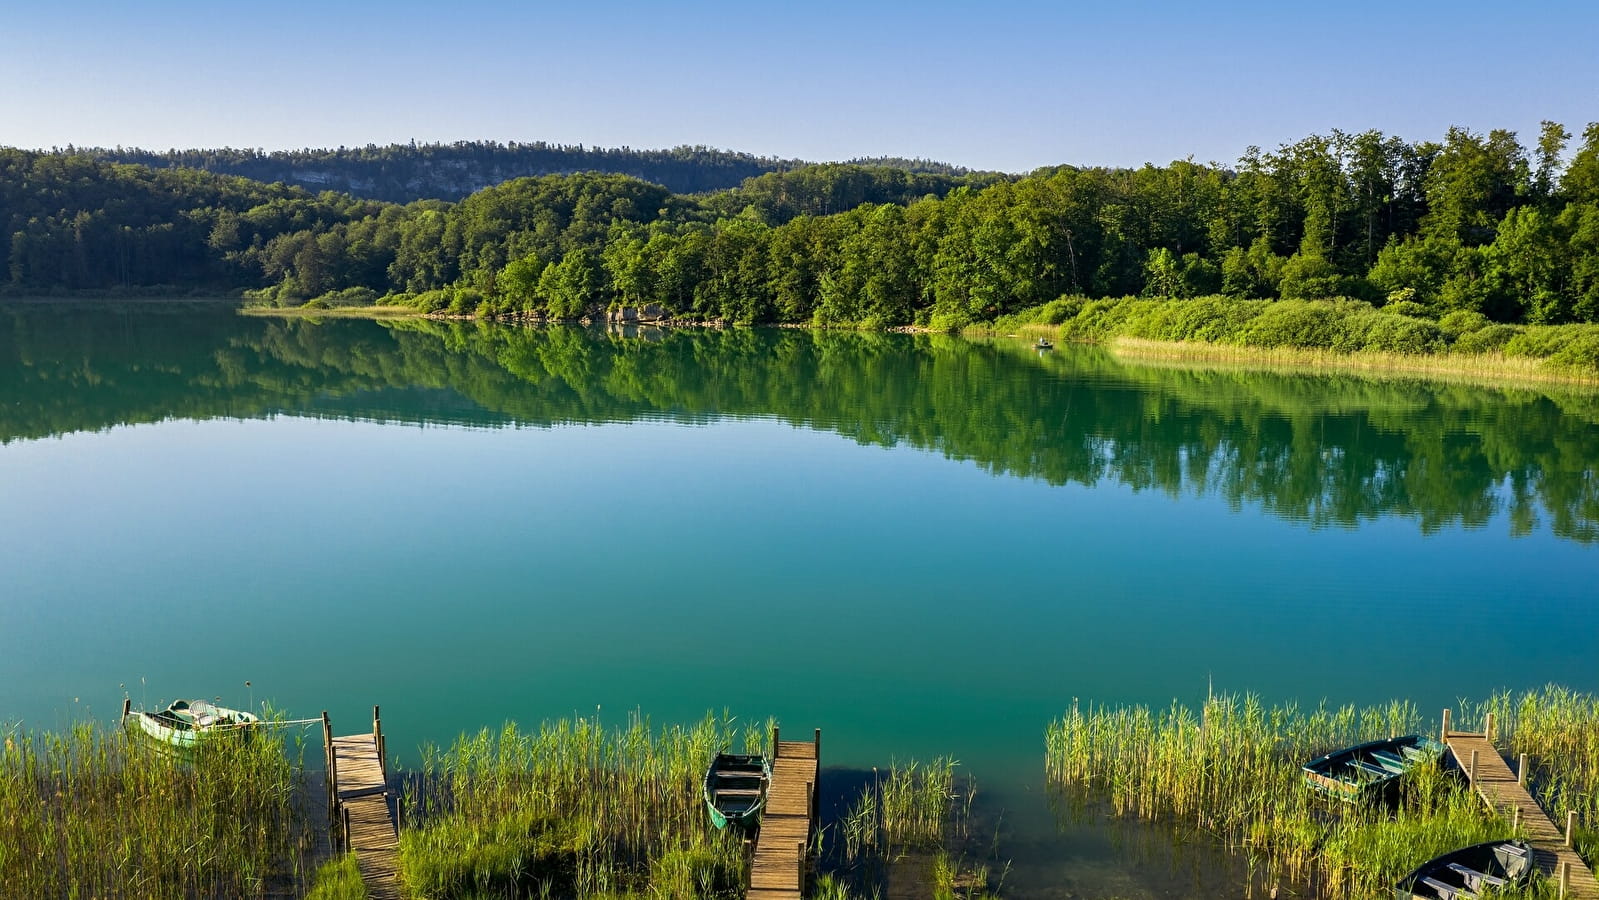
<point x="735" y="789"/>
<point x="185" y="723"/>
<point x="1045" y="344"/>
<point x="1370" y="772"/>
<point x="1468" y="872"/>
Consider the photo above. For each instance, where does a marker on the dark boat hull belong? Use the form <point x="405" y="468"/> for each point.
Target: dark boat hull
<point x="735" y="789"/>
<point x="1468" y="872"/>
<point x="1370" y="772"/>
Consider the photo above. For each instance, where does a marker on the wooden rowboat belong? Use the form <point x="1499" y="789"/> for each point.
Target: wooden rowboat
<point x="185" y="723"/>
<point x="1468" y="872"/>
<point x="1371" y="772"/>
<point x="735" y="789"/>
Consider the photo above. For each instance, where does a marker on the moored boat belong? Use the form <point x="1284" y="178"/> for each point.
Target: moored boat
<point x="1468" y="872"/>
<point x="185" y="723"/>
<point x="1045" y="344"/>
<point x="1371" y="771"/>
<point x="735" y="789"/>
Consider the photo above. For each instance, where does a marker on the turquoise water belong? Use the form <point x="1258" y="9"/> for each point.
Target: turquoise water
<point x="922" y="545"/>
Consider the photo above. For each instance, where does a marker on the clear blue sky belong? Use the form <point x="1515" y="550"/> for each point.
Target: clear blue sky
<point x="1003" y="85"/>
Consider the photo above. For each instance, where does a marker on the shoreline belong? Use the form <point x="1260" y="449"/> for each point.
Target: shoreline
<point x="1484" y="369"/>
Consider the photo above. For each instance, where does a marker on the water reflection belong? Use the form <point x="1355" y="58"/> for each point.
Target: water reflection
<point x="1324" y="450"/>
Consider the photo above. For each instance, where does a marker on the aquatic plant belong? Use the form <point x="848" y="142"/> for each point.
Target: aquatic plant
<point x="573" y="809"/>
<point x="1232" y="771"/>
<point x="100" y="812"/>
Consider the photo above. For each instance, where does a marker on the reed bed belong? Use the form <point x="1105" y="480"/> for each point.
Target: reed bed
<point x="573" y="810"/>
<point x="99" y="812"/>
<point x="1558" y="729"/>
<point x="1232" y="771"/>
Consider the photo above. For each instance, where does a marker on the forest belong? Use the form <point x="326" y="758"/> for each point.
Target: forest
<point x="1475" y="224"/>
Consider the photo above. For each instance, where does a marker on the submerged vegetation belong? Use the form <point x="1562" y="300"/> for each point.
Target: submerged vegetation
<point x="1232" y="771"/>
<point x="911" y="825"/>
<point x="98" y="812"/>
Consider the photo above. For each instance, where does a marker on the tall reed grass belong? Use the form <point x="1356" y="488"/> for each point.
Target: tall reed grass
<point x="1558" y="729"/>
<point x="99" y="812"/>
<point x="1232" y="771"/>
<point x="574" y="809"/>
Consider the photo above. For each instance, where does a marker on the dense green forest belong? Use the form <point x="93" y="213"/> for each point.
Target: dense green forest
<point x="1232" y="434"/>
<point x="401" y="173"/>
<point x="1477" y="224"/>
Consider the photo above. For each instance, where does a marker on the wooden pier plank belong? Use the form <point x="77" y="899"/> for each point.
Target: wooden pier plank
<point x="362" y="790"/>
<point x="783" y="842"/>
<point x="1500" y="789"/>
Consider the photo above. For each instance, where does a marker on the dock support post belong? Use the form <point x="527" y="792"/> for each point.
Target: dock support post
<point x="1571" y="829"/>
<point x="816" y="790"/>
<point x="1471" y="776"/>
<point x="776" y="733"/>
<point x="1446" y="727"/>
<point x="1521" y="770"/>
<point x="328" y="764"/>
<point x="1565" y="878"/>
<point x="800" y="875"/>
<point x="1515" y="819"/>
<point x="1488" y="728"/>
<point x="377" y="740"/>
<point x="127" y="706"/>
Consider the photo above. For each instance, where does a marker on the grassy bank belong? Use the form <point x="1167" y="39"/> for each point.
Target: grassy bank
<point x="1231" y="771"/>
<point x="330" y="312"/>
<point x="97" y="813"/>
<point x="1321" y="333"/>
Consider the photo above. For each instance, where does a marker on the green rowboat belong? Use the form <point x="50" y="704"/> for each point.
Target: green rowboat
<point x="735" y="789"/>
<point x="185" y="723"/>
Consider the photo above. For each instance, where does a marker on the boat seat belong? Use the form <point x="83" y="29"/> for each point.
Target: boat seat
<point x="1366" y="767"/>
<point x="1475" y="878"/>
<point x="725" y="792"/>
<point x="1387" y="759"/>
<point x="1413" y="752"/>
<point x="1446" y="891"/>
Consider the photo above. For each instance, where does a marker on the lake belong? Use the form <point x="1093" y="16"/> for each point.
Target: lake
<point x="921" y="544"/>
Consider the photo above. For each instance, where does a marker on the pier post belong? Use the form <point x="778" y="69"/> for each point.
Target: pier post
<point x="127" y="706"/>
<point x="816" y="791"/>
<point x="328" y="763"/>
<point x="1515" y="819"/>
<point x="1471" y="776"/>
<point x="1521" y="770"/>
<point x="1565" y="878"/>
<point x="1571" y="829"/>
<point x="1488" y="728"/>
<point x="800" y="855"/>
<point x="1446" y="726"/>
<point x="377" y="739"/>
<point x="776" y="733"/>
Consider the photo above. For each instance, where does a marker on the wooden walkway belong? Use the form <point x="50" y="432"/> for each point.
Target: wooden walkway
<point x="782" y="846"/>
<point x="358" y="807"/>
<point x="1505" y="794"/>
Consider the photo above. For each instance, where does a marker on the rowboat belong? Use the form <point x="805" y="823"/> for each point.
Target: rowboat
<point x="1468" y="872"/>
<point x="1371" y="772"/>
<point x="1045" y="344"/>
<point x="185" y="723"/>
<point x="735" y="789"/>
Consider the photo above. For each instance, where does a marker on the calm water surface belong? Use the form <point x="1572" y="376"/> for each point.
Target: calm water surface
<point x="923" y="545"/>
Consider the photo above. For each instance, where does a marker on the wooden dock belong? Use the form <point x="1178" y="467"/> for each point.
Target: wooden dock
<point x="778" y="871"/>
<point x="358" y="806"/>
<point x="1506" y="793"/>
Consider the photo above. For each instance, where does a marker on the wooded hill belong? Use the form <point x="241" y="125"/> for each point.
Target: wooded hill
<point x="1474" y="223"/>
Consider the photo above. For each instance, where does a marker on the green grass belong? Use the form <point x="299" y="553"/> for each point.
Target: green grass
<point x="1323" y="329"/>
<point x="96" y="812"/>
<point x="574" y="809"/>
<point x="338" y="879"/>
<point x="1231" y="771"/>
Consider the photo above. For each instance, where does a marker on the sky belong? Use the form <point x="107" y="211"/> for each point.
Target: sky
<point x="1004" y="85"/>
